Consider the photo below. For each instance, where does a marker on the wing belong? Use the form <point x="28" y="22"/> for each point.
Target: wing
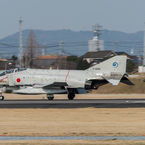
<point x="64" y="85"/>
<point x="54" y="84"/>
<point x="75" y="90"/>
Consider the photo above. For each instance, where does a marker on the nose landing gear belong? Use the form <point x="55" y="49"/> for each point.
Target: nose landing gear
<point x="1" y="96"/>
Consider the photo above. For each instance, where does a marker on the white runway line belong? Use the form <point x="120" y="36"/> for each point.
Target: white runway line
<point x="137" y="102"/>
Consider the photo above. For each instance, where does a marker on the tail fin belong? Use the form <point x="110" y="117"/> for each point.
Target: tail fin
<point x="114" y="64"/>
<point x="112" y="69"/>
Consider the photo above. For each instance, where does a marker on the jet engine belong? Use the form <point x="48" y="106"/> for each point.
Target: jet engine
<point x="88" y="85"/>
<point x="94" y="84"/>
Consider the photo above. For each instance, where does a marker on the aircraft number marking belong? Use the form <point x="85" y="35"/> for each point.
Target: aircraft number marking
<point x="96" y="69"/>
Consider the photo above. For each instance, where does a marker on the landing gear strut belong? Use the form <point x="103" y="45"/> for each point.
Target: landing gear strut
<point x="50" y="96"/>
<point x="71" y="96"/>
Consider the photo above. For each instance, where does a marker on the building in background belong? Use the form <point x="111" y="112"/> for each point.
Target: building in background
<point x="49" y="61"/>
<point x="96" y="45"/>
<point x="96" y="57"/>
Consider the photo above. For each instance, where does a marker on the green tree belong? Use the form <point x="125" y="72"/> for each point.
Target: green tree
<point x="14" y="57"/>
<point x="72" y="58"/>
<point x="81" y="64"/>
<point x="130" y="66"/>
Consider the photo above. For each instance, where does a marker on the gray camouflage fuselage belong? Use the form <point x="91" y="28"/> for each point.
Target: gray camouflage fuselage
<point x="62" y="81"/>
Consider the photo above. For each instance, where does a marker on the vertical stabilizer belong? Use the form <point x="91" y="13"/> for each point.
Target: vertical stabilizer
<point x="114" y="64"/>
<point x="112" y="69"/>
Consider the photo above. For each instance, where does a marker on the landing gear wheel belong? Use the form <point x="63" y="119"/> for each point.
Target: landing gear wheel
<point x="50" y="98"/>
<point x="2" y="98"/>
<point x="71" y="96"/>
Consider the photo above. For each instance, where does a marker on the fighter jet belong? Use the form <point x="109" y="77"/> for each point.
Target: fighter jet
<point x="72" y="82"/>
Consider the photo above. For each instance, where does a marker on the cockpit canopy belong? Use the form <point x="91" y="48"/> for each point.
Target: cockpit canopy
<point x="12" y="70"/>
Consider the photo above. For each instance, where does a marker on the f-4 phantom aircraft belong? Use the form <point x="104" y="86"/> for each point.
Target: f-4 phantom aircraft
<point x="50" y="82"/>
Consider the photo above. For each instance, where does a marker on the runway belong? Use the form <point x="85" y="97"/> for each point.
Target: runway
<point x="76" y="103"/>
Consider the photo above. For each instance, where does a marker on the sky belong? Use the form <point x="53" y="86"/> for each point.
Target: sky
<point x="120" y="15"/>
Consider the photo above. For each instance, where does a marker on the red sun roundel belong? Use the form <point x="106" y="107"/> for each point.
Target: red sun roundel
<point x="18" y="80"/>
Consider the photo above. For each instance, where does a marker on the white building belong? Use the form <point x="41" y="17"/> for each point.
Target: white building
<point x="141" y="69"/>
<point x="96" y="45"/>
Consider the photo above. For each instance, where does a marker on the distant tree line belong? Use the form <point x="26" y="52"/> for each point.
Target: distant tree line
<point x="80" y="63"/>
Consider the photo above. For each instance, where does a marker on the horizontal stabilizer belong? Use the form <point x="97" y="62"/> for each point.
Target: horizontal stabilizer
<point x="113" y="82"/>
<point x="126" y="81"/>
<point x="113" y="78"/>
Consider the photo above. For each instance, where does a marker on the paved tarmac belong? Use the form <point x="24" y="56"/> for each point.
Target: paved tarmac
<point x="76" y="103"/>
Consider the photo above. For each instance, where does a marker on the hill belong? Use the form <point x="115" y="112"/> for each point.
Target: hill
<point x="75" y="43"/>
<point x="137" y="88"/>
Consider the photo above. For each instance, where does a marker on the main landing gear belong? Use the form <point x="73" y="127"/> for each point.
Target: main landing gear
<point x="71" y="96"/>
<point x="50" y="96"/>
<point x="1" y="96"/>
